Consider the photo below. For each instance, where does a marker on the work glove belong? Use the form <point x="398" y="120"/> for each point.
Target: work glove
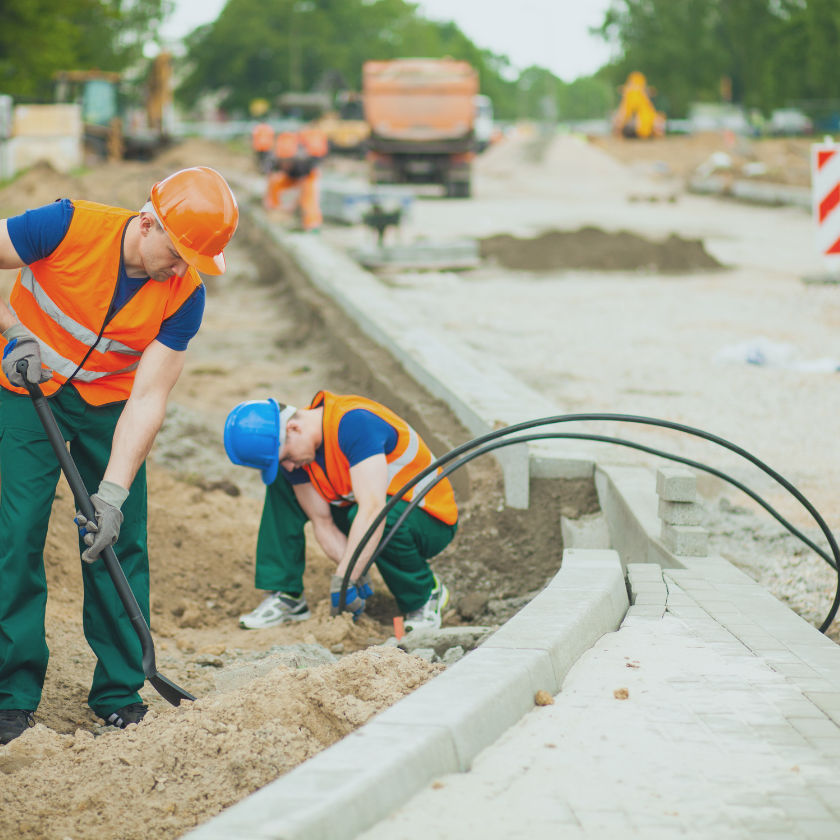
<point x="355" y="597"/>
<point x="105" y="531"/>
<point x="21" y="344"/>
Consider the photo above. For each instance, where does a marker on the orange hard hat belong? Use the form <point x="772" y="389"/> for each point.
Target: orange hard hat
<point x="197" y="209"/>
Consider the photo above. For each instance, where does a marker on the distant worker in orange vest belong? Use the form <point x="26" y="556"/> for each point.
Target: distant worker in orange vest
<point x="105" y="303"/>
<point x="262" y="142"/>
<point x="297" y="156"/>
<point x="336" y="463"/>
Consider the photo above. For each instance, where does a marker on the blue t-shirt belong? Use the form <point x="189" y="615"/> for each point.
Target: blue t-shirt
<point x="35" y="234"/>
<point x="361" y="433"/>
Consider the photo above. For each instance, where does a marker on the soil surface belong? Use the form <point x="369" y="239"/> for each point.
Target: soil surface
<point x="784" y="160"/>
<point x="592" y="248"/>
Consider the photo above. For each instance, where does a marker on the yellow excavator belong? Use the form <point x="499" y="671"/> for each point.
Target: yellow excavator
<point x="110" y="129"/>
<point x="636" y="115"/>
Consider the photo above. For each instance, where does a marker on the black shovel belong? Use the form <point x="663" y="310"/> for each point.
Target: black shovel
<point x="166" y="688"/>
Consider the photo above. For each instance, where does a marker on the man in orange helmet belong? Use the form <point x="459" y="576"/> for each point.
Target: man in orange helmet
<point x="297" y="156"/>
<point x="105" y="303"/>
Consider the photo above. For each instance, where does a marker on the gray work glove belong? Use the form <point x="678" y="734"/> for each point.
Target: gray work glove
<point x="105" y="530"/>
<point x="358" y="591"/>
<point x="21" y="344"/>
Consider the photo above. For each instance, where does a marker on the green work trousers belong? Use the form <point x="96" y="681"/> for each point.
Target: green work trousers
<point x="29" y="472"/>
<point x="403" y="564"/>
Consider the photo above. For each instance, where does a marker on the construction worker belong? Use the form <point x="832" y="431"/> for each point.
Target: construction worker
<point x="335" y="464"/>
<point x="262" y="142"/>
<point x="105" y="303"/>
<point x="297" y="156"/>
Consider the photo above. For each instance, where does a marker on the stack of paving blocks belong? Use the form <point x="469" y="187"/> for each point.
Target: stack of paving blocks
<point x="680" y="514"/>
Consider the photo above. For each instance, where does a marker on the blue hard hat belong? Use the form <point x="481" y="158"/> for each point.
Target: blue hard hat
<point x="252" y="436"/>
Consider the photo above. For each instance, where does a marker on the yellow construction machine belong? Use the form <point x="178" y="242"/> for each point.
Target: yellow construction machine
<point x="636" y="115"/>
<point x="345" y="125"/>
<point x="111" y="129"/>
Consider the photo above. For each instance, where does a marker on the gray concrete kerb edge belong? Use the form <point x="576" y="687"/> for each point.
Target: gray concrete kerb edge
<point x="443" y="725"/>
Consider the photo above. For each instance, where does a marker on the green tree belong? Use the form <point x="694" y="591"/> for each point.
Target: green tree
<point x="40" y="37"/>
<point x="258" y="50"/>
<point x="771" y="52"/>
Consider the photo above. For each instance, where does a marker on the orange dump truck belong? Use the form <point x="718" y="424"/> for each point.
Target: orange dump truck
<point x="421" y="113"/>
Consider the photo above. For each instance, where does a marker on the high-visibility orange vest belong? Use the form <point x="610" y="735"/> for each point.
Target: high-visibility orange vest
<point x="314" y="140"/>
<point x="262" y="137"/>
<point x="409" y="457"/>
<point x="285" y="145"/>
<point x="63" y="301"/>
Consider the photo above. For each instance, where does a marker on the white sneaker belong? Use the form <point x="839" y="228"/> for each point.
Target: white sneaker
<point x="277" y="608"/>
<point x="428" y="616"/>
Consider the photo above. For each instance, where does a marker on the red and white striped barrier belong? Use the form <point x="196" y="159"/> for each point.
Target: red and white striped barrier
<point x="825" y="194"/>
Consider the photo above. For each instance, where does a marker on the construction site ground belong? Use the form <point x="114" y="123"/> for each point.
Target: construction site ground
<point x="653" y="331"/>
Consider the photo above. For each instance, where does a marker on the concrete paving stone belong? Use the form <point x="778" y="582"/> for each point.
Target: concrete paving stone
<point x="818" y="829"/>
<point x="650" y="611"/>
<point x="801" y="807"/>
<point x="688" y="611"/>
<point x="680" y="513"/>
<point x="796" y="670"/>
<point x="676" y="484"/>
<point x="828" y="747"/>
<point x="722" y="723"/>
<point x="594" y="820"/>
<point x="798" y="706"/>
<point x="815" y="728"/>
<point x="829" y="795"/>
<point x="828" y="701"/>
<point x="777" y="734"/>
<point x="645" y="570"/>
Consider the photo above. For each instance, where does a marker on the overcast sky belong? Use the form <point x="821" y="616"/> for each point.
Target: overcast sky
<point x="551" y="33"/>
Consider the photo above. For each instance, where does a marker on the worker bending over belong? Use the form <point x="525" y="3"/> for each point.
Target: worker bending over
<point x="336" y="464"/>
<point x="297" y="156"/>
<point x="105" y="303"/>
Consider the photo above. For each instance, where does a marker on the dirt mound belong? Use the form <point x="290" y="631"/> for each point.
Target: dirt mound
<point x="181" y="766"/>
<point x="593" y="248"/>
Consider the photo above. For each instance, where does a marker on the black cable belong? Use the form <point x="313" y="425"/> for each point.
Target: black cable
<point x="602" y="439"/>
<point x="623" y="418"/>
<point x="525" y="438"/>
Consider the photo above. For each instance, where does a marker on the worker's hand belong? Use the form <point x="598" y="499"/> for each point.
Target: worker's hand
<point x="105" y="531"/>
<point x="21" y="344"/>
<point x="355" y="597"/>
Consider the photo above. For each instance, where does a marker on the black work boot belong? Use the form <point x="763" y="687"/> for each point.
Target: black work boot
<point x="125" y="715"/>
<point x="14" y="722"/>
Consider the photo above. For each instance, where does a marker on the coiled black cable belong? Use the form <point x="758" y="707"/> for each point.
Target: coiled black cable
<point x="490" y="441"/>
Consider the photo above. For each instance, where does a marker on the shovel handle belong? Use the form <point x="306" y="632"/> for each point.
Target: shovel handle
<point x="71" y="472"/>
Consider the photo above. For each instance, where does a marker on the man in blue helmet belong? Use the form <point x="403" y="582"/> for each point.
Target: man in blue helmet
<point x="336" y="464"/>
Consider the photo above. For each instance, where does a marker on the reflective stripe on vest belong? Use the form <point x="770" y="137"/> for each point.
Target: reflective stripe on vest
<point x="66" y="368"/>
<point x="408" y="458"/>
<point x="79" y="332"/>
<point x="63" y="300"/>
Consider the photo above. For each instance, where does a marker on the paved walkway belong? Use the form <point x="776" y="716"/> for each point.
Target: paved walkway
<point x="669" y="727"/>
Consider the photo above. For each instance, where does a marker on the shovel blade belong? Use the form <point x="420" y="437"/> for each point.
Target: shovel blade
<point x="168" y="690"/>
